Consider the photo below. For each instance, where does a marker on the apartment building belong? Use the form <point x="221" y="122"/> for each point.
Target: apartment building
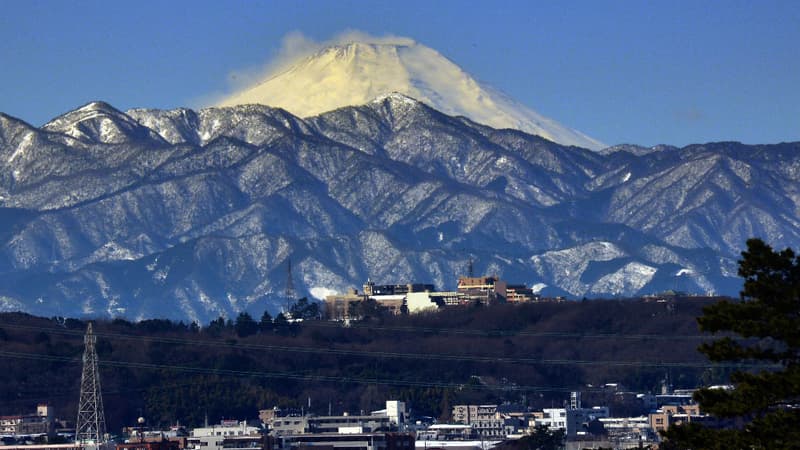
<point x="485" y="290"/>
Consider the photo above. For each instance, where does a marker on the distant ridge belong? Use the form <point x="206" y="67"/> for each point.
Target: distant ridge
<point x="194" y="214"/>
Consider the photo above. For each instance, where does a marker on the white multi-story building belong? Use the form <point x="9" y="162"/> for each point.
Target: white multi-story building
<point x="392" y="418"/>
<point x="228" y="435"/>
<point x="553" y="418"/>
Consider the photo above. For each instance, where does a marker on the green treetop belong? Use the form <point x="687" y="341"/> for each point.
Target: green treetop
<point x="763" y="327"/>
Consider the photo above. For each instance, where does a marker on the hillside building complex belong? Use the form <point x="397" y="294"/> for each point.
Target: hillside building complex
<point x="418" y="297"/>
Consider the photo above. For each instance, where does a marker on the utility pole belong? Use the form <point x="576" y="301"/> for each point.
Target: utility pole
<point x="90" y="428"/>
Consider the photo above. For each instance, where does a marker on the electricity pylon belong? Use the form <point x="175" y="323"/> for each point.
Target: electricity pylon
<point x="90" y="428"/>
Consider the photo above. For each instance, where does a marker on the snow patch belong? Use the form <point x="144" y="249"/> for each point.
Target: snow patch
<point x="397" y="97"/>
<point x="27" y="143"/>
<point x="320" y="292"/>
<point x="630" y="278"/>
<point x="538" y="287"/>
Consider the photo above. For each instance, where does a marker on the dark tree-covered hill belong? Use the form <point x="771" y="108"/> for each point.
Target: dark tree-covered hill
<point x="534" y="353"/>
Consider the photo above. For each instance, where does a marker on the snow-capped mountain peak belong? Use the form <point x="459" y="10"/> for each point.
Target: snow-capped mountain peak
<point x="355" y="73"/>
<point x="99" y="122"/>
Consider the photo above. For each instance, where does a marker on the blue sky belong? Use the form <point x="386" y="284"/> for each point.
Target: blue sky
<point x="644" y="72"/>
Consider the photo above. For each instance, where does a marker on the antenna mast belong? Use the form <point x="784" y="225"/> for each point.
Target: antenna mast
<point x="290" y="292"/>
<point x="91" y="424"/>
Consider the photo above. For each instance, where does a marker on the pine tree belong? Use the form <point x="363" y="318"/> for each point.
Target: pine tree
<point x="766" y="322"/>
<point x="265" y="325"/>
<point x="245" y="325"/>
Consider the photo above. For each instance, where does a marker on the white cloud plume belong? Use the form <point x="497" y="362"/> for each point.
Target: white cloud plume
<point x="295" y="46"/>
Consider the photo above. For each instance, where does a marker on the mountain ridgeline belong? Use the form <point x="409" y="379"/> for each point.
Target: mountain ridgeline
<point x="188" y="214"/>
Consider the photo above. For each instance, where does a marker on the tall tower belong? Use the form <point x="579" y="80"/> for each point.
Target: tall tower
<point x="91" y="424"/>
<point x="290" y="292"/>
<point x="575" y="400"/>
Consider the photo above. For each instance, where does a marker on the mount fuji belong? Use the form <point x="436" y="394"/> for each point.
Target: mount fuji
<point x="355" y="73"/>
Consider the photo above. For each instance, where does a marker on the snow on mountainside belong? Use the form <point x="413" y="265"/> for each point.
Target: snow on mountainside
<point x="99" y="122"/>
<point x="358" y="72"/>
<point x="192" y="214"/>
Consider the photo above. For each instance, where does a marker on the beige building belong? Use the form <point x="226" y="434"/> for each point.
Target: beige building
<point x="673" y="414"/>
<point x="485" y="290"/>
<point x="391" y="303"/>
<point x="342" y="306"/>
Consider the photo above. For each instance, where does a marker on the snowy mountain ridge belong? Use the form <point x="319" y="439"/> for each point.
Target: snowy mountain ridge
<point x="192" y="214"/>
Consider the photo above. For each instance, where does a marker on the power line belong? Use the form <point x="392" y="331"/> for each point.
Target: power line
<point x="299" y="377"/>
<point x="46" y="395"/>
<point x="511" y="333"/>
<point x="487" y="333"/>
<point x="417" y="356"/>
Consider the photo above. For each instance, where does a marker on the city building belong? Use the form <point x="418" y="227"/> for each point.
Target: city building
<point x="484" y="290"/>
<point x="631" y="429"/>
<point x="330" y="424"/>
<point x="41" y="422"/>
<point x="342" y="306"/>
<point x="492" y="421"/>
<point x="379" y="430"/>
<point x="447" y="436"/>
<point x="553" y="418"/>
<point x="667" y="415"/>
<point x="469" y="414"/>
<point x="394" y="297"/>
<point x="393" y="304"/>
<point x="519" y="293"/>
<point x="391" y="418"/>
<point x="70" y="446"/>
<point x="228" y="435"/>
<point x="578" y="419"/>
<point x="372" y="289"/>
<point x="160" y="444"/>
<point x="346" y="440"/>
